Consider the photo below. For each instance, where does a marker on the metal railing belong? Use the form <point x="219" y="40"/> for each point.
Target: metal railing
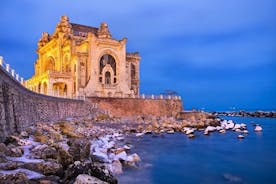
<point x="159" y="97"/>
<point x="11" y="71"/>
<point x="16" y="76"/>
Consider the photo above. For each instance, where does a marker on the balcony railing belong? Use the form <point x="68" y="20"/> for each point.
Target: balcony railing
<point x="11" y="71"/>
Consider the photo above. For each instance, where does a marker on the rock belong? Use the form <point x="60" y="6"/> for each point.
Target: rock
<point x="3" y="148"/>
<point x="118" y="150"/>
<point x="139" y="134"/>
<point x="79" y="149"/>
<point x="121" y="156"/>
<point x="210" y="129"/>
<point x="12" y="140"/>
<point x="189" y="131"/>
<point x="245" y="131"/>
<point x="237" y="126"/>
<point x="240" y="137"/>
<point x="258" y="128"/>
<point x="116" y="167"/>
<point x="14" y="151"/>
<point x="222" y="131"/>
<point x="3" y="158"/>
<point x="237" y="130"/>
<point x="87" y="179"/>
<point x="64" y="157"/>
<point x="46" y="168"/>
<point x="191" y="136"/>
<point x="46" y="180"/>
<point x="243" y="125"/>
<point x="91" y="169"/>
<point x="99" y="156"/>
<point x="8" y="165"/>
<point x="24" y="134"/>
<point x="44" y="152"/>
<point x="171" y="131"/>
<point x="134" y="158"/>
<point x="18" y="178"/>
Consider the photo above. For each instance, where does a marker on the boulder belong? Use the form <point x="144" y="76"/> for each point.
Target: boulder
<point x="3" y="158"/>
<point x="46" y="168"/>
<point x="14" y="151"/>
<point x="3" y="148"/>
<point x="240" y="137"/>
<point x="98" y="171"/>
<point x="18" y="178"/>
<point x="8" y="165"/>
<point x="87" y="179"/>
<point x="79" y="149"/>
<point x="44" y="152"/>
<point x="24" y="134"/>
<point x="258" y="128"/>
<point x="116" y="167"/>
<point x="121" y="156"/>
<point x="64" y="157"/>
<point x="99" y="156"/>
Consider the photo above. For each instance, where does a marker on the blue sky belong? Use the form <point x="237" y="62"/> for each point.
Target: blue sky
<point x="216" y="54"/>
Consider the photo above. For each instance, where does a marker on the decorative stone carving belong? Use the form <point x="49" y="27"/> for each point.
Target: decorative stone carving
<point x="103" y="32"/>
<point x="45" y="38"/>
<point x="78" y="73"/>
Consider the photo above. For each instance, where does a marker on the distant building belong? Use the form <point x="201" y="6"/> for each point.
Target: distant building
<point x="79" y="60"/>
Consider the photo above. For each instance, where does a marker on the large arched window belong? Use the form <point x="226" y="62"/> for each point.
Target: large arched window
<point x="107" y="60"/>
<point x="49" y="64"/>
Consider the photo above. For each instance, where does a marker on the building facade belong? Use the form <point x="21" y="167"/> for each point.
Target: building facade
<point x="78" y="60"/>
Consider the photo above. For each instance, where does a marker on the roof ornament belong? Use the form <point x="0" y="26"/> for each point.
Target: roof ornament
<point x="103" y="31"/>
<point x="45" y="38"/>
<point x="63" y="26"/>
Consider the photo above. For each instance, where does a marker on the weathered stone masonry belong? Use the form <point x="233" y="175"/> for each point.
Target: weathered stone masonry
<point x="20" y="108"/>
<point x="136" y="106"/>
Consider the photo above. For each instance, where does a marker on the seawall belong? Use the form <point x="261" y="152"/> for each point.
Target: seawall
<point x="20" y="107"/>
<point x="119" y="107"/>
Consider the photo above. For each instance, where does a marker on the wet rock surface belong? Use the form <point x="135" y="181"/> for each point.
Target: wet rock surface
<point x="91" y="149"/>
<point x="263" y="114"/>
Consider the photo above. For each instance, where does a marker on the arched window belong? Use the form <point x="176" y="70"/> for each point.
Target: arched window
<point x="107" y="60"/>
<point x="107" y="77"/>
<point x="133" y="72"/>
<point x="49" y="64"/>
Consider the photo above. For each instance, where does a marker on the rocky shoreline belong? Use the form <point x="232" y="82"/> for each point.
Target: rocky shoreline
<point x="90" y="150"/>
<point x="259" y="114"/>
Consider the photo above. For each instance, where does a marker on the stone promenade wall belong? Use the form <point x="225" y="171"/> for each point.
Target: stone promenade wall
<point x="119" y="107"/>
<point x="20" y="108"/>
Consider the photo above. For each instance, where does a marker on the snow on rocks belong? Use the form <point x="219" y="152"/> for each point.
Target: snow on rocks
<point x="240" y="136"/>
<point x="87" y="179"/>
<point x="258" y="128"/>
<point x="30" y="174"/>
<point x="104" y="149"/>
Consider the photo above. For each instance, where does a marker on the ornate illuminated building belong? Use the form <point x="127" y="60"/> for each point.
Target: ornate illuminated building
<point x="79" y="60"/>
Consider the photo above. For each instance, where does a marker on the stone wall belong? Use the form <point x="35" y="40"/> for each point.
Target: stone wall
<point x="20" y="108"/>
<point x="119" y="107"/>
<point x="194" y="115"/>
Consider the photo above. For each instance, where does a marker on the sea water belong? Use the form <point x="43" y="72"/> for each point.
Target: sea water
<point x="216" y="158"/>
